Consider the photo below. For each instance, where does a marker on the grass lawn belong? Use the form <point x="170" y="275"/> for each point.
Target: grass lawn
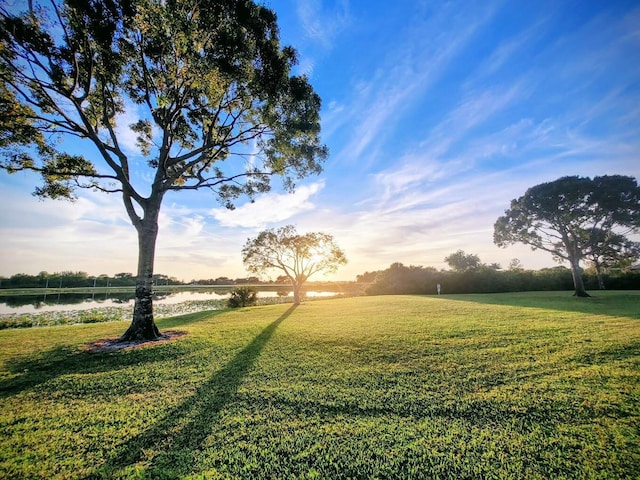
<point x="536" y="385"/>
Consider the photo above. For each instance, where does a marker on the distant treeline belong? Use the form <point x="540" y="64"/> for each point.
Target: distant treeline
<point x="84" y="280"/>
<point x="77" y="280"/>
<point x="397" y="279"/>
<point x="401" y="279"/>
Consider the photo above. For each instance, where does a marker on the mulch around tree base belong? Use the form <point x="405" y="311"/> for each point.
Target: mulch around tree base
<point x="115" y="344"/>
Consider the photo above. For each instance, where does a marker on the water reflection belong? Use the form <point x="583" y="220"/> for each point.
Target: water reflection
<point x="85" y="301"/>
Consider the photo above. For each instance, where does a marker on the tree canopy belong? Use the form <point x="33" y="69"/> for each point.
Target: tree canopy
<point x="610" y="250"/>
<point x="574" y="218"/>
<point x="217" y="106"/>
<point x="298" y="256"/>
<point x="461" y="261"/>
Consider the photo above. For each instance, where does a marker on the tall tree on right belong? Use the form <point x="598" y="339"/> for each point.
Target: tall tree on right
<point x="572" y="218"/>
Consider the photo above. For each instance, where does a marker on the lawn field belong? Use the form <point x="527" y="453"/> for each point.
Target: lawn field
<point x="523" y="386"/>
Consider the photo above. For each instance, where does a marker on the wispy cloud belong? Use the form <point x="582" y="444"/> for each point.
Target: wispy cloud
<point x="127" y="137"/>
<point x="318" y="30"/>
<point x="406" y="75"/>
<point x="180" y="227"/>
<point x="425" y="221"/>
<point x="473" y="110"/>
<point x="413" y="171"/>
<point x="503" y="54"/>
<point x="57" y="235"/>
<point x="269" y="208"/>
<point x="320" y="25"/>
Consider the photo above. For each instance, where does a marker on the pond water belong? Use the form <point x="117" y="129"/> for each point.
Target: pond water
<point x="63" y="302"/>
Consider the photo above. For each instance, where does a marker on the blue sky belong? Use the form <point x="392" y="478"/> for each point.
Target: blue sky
<point x="436" y="115"/>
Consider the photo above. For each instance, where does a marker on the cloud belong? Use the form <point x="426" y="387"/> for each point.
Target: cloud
<point x="179" y="227"/>
<point x="92" y="233"/>
<point x="505" y="52"/>
<point x="405" y="76"/>
<point x="268" y="209"/>
<point x="318" y="28"/>
<point x="127" y="137"/>
<point x="305" y="67"/>
<point x="474" y="110"/>
<point x="320" y="25"/>
<point x="421" y="221"/>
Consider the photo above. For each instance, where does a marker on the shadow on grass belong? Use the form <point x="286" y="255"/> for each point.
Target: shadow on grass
<point x="179" y="436"/>
<point x="629" y="352"/>
<point x="40" y="368"/>
<point x="186" y="319"/>
<point x="611" y="303"/>
<point x="32" y="373"/>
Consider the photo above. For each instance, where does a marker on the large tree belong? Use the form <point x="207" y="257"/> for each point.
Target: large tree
<point x="610" y="249"/>
<point x="462" y="262"/>
<point x="218" y="107"/>
<point x="573" y="218"/>
<point x="297" y="256"/>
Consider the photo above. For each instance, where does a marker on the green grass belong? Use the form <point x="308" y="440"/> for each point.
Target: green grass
<point x="472" y="386"/>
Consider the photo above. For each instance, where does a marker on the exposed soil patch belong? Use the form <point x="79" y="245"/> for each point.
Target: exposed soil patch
<point x="115" y="344"/>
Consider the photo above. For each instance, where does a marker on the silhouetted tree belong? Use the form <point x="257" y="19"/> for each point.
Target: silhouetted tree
<point x="461" y="261"/>
<point x="570" y="217"/>
<point x="297" y="256"/>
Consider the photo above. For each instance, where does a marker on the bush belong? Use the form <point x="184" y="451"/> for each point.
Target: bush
<point x="399" y="279"/>
<point x="243" y="297"/>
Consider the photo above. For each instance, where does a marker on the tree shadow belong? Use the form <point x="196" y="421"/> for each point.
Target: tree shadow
<point x="42" y="367"/>
<point x="179" y="436"/>
<point x="38" y="369"/>
<point x="187" y="318"/>
<point x="31" y="373"/>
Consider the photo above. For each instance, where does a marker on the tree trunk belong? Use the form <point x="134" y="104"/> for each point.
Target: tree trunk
<point x="578" y="283"/>
<point x="599" y="276"/>
<point x="296" y="293"/>
<point x="142" y="325"/>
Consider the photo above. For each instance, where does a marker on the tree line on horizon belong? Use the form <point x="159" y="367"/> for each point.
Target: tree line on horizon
<point x="466" y="274"/>
<point x="70" y="279"/>
<point x="400" y="279"/>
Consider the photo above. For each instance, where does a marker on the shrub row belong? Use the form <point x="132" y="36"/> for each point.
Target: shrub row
<point x="400" y="279"/>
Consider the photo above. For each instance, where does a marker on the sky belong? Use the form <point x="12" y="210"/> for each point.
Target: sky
<point x="436" y="114"/>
